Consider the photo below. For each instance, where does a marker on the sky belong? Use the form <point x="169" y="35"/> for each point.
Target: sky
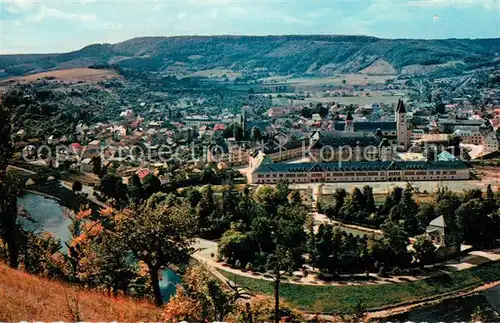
<point x="55" y="26"/>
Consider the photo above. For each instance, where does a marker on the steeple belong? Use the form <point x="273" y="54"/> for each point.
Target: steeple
<point x="349" y="127"/>
<point x="402" y="127"/>
<point x="401" y="107"/>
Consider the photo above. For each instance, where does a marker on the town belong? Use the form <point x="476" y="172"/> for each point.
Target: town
<point x="249" y="195"/>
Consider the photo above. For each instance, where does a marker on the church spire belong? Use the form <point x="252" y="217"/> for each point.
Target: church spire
<point x="401" y="107"/>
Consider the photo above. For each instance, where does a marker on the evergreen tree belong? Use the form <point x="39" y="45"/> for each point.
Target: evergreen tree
<point x="135" y="190"/>
<point x="490" y="200"/>
<point x="10" y="231"/>
<point x="369" y="200"/>
<point x="392" y="199"/>
<point x="256" y="135"/>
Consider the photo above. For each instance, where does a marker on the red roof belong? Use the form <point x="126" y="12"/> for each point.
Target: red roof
<point x="143" y="173"/>
<point x="219" y="126"/>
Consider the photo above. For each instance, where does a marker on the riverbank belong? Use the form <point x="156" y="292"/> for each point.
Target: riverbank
<point x="404" y="308"/>
<point x="374" y="298"/>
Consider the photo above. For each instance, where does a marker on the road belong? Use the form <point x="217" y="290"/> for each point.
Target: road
<point x="384" y="187"/>
<point x="86" y="190"/>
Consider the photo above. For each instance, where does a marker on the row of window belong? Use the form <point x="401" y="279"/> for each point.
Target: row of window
<point x="316" y="175"/>
<point x="354" y="179"/>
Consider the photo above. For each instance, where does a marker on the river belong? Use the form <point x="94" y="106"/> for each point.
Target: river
<point x="49" y="216"/>
<point x="457" y="310"/>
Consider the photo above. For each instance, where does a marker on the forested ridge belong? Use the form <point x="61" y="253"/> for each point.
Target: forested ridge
<point x="292" y="54"/>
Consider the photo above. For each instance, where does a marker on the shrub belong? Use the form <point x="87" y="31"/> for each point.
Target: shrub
<point x="237" y="263"/>
<point x="249" y="267"/>
<point x="396" y="271"/>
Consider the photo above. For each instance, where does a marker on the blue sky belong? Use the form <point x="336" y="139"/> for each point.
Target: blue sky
<point x="58" y="25"/>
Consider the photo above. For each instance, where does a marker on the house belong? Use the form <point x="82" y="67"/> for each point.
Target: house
<point x="469" y="137"/>
<point x="436" y="231"/>
<point x="491" y="142"/>
<point x="276" y="112"/>
<point x="142" y="173"/>
<point x="128" y="114"/>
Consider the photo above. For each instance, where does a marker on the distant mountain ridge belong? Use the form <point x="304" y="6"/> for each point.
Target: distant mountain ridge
<point x="293" y="54"/>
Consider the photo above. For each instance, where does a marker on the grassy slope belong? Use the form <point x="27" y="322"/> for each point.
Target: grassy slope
<point x="27" y="297"/>
<point x="338" y="299"/>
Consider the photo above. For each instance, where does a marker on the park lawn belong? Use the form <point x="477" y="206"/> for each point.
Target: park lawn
<point x="342" y="299"/>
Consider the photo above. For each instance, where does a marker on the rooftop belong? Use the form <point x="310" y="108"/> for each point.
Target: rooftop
<point x="360" y="166"/>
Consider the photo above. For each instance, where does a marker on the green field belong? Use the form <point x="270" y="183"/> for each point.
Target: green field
<point x="342" y="299"/>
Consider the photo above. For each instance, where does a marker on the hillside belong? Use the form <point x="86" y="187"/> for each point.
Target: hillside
<point x="26" y="297"/>
<point x="87" y="75"/>
<point x="300" y="55"/>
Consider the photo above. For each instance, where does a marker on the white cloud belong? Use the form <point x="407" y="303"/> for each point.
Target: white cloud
<point x="45" y="12"/>
<point x="182" y="15"/>
<point x="487" y="4"/>
<point x="18" y="6"/>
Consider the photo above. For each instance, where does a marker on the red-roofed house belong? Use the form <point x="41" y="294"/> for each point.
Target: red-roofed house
<point x="219" y="127"/>
<point x="142" y="173"/>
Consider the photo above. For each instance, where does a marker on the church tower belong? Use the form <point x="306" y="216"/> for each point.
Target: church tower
<point x="402" y="126"/>
<point x="349" y="126"/>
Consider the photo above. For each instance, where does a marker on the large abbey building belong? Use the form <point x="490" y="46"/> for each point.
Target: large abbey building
<point x="370" y="159"/>
<point x="396" y="133"/>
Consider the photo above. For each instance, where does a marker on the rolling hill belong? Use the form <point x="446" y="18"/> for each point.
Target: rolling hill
<point x="299" y="55"/>
<point x="27" y="297"/>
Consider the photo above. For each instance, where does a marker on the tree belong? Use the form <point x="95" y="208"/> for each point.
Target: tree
<point x="392" y="199"/>
<point x="397" y="241"/>
<point x="97" y="166"/>
<point x="295" y="198"/>
<point x="410" y="209"/>
<point x="77" y="186"/>
<point x="5" y="135"/>
<point x="425" y="215"/>
<point x="474" y="225"/>
<point x="256" y="135"/>
<point x="425" y="251"/>
<point x="160" y="236"/>
<point x="440" y="107"/>
<point x="10" y="232"/>
<point x="151" y="185"/>
<point x="368" y="199"/>
<point x="306" y="113"/>
<point x="490" y="200"/>
<point x="112" y="187"/>
<point x="237" y="132"/>
<point x="289" y="238"/>
<point x="354" y="206"/>
<point x="339" y="197"/>
<point x="204" y="212"/>
<point x="135" y="189"/>
<point x="9" y="185"/>
<point x="235" y="245"/>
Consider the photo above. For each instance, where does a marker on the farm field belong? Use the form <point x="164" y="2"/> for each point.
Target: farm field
<point x="359" y="100"/>
<point x="351" y="79"/>
<point x="69" y="75"/>
<point x="217" y="73"/>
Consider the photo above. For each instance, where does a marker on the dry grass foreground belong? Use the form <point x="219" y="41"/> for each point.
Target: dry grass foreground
<point x="69" y="75"/>
<point x="27" y="297"/>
